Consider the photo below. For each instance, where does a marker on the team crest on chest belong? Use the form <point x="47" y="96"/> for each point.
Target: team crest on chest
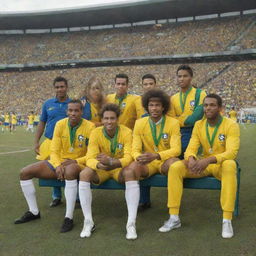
<point x="221" y="137"/>
<point x="192" y="103"/>
<point x="123" y="105"/>
<point x="120" y="146"/>
<point x="80" y="137"/>
<point x="165" y="136"/>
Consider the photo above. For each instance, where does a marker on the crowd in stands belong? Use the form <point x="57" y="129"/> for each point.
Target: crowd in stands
<point x="167" y="39"/>
<point x="26" y="91"/>
<point x="234" y="81"/>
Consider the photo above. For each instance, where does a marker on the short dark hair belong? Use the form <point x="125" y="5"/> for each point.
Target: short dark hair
<point x="149" y="76"/>
<point x="122" y="76"/>
<point x="77" y="101"/>
<point x="185" y="67"/>
<point x="110" y="107"/>
<point x="60" y="79"/>
<point x="215" y="96"/>
<point x="156" y="93"/>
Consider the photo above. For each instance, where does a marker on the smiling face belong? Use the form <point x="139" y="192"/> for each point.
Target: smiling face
<point x="61" y="89"/>
<point x="74" y="113"/>
<point x="110" y="121"/>
<point x="184" y="78"/>
<point x="211" y="108"/>
<point x="155" y="108"/>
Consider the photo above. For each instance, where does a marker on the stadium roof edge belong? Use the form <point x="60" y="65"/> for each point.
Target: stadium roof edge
<point x="121" y="13"/>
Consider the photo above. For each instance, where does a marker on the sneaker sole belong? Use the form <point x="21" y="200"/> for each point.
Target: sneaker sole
<point x="165" y="231"/>
<point x="92" y="230"/>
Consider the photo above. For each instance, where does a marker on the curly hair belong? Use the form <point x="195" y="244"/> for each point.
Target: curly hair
<point x="160" y="95"/>
<point x="110" y="107"/>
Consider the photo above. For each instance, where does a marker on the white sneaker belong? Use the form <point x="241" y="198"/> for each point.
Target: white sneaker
<point x="170" y="224"/>
<point x="227" y="229"/>
<point x="88" y="228"/>
<point x="131" y="231"/>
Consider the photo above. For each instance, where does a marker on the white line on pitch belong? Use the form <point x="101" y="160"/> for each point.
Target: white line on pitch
<point x="13" y="152"/>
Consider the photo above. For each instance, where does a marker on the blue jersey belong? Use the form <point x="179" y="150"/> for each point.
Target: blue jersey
<point x="52" y="112"/>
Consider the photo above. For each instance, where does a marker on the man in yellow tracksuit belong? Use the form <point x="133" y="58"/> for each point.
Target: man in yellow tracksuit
<point x="125" y="101"/>
<point x="148" y="83"/>
<point x="219" y="138"/>
<point x="186" y="105"/>
<point x="67" y="155"/>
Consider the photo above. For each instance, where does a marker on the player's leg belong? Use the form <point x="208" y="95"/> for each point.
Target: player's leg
<point x="37" y="170"/>
<point x="167" y="164"/>
<point x="129" y="175"/>
<point x="71" y="175"/>
<point x="226" y="172"/>
<point x="87" y="176"/>
<point x="178" y="171"/>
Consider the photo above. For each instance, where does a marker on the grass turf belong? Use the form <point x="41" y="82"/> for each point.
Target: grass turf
<point x="200" y="233"/>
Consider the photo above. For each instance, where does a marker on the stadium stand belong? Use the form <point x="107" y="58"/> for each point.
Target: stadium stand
<point x="177" y="38"/>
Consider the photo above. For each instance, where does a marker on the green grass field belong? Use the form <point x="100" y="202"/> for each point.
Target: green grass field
<point x="201" y="216"/>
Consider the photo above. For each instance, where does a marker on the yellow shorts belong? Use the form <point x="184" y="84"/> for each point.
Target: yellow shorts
<point x="106" y="175"/>
<point x="154" y="167"/>
<point x="44" y="150"/>
<point x="53" y="166"/>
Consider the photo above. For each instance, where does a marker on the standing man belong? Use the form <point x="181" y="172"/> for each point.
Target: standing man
<point x="186" y="105"/>
<point x="53" y="110"/>
<point x="31" y="122"/>
<point x="219" y="138"/>
<point x="6" y="121"/>
<point x="13" y="122"/>
<point x="233" y="114"/>
<point x="68" y="150"/>
<point x="148" y="83"/>
<point x="125" y="101"/>
<point x="109" y="152"/>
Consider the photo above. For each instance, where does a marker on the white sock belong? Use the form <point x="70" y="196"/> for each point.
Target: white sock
<point x="132" y="196"/>
<point x="29" y="192"/>
<point x="226" y="220"/>
<point x="85" y="195"/>
<point x="70" y="192"/>
<point x="174" y="217"/>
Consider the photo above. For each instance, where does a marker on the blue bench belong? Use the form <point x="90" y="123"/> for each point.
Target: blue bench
<point x="157" y="181"/>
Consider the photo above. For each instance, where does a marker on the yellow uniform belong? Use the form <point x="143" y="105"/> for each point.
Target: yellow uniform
<point x="61" y="147"/>
<point x="233" y="115"/>
<point x="14" y="119"/>
<point x="189" y="106"/>
<point x="128" y="110"/>
<point x="7" y="118"/>
<point x="225" y="148"/>
<point x="100" y="144"/>
<point x="37" y="118"/>
<point x="169" y="145"/>
<point x="95" y="113"/>
<point x="140" y="111"/>
<point x="31" y="119"/>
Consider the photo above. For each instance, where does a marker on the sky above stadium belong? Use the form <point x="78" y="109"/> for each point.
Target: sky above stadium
<point x="10" y="6"/>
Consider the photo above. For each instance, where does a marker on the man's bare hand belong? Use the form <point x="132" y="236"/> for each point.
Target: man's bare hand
<point x="68" y="162"/>
<point x="36" y="148"/>
<point x="103" y="159"/>
<point x="60" y="170"/>
<point x="147" y="158"/>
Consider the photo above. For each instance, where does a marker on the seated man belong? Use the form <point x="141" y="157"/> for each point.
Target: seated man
<point x="156" y="138"/>
<point x="109" y="152"/>
<point x="219" y="138"/>
<point x="68" y="150"/>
